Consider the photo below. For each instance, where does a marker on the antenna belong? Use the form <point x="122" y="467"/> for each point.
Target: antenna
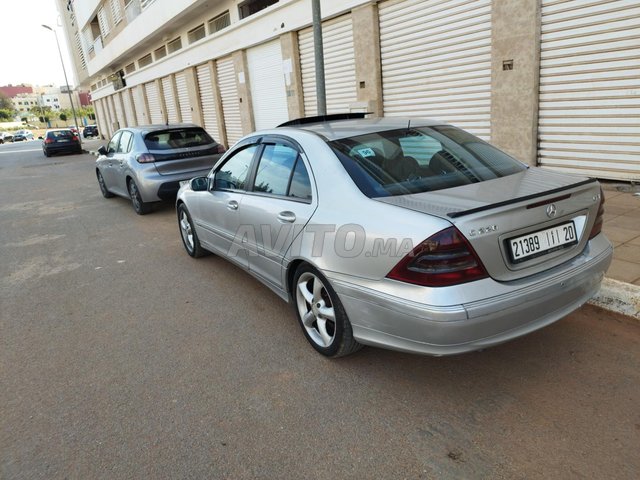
<point x="409" y="125"/>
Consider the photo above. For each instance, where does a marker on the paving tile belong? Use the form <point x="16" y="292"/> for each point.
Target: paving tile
<point x="620" y="235"/>
<point x="624" y="271"/>
<point x="635" y="241"/>
<point x="615" y="210"/>
<point x="629" y="253"/>
<point x="630" y="222"/>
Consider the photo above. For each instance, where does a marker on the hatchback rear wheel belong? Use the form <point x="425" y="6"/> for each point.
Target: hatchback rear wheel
<point x="139" y="206"/>
<point x="321" y="314"/>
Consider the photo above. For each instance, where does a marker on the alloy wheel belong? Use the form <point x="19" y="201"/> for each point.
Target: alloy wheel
<point x="316" y="309"/>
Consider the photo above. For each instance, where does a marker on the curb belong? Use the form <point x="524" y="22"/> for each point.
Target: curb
<point x="618" y="297"/>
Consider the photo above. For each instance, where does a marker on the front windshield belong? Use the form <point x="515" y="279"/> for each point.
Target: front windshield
<point x="424" y="159"/>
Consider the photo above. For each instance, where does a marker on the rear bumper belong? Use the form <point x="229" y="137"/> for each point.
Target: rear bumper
<point x="400" y="324"/>
<point x="155" y="187"/>
<point x="67" y="147"/>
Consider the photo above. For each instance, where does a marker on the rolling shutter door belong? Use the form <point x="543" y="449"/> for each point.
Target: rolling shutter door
<point x="589" y="117"/>
<point x="340" y="66"/>
<point x="183" y="97"/>
<point x="207" y="100"/>
<point x="436" y="61"/>
<point x="229" y="95"/>
<point x="138" y="103"/>
<point x="117" y="100"/>
<point x="128" y="108"/>
<point x="266" y="79"/>
<point x="154" y="103"/>
<point x="102" y="121"/>
<point x="170" y="100"/>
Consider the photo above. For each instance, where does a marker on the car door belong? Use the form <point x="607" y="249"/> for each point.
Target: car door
<point x="278" y="205"/>
<point x="120" y="160"/>
<point x="218" y="210"/>
<point x="106" y="163"/>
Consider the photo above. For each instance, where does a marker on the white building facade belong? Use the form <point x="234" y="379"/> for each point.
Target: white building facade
<point x="555" y="83"/>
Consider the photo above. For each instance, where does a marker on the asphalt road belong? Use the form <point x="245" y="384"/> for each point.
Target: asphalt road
<point x="122" y="357"/>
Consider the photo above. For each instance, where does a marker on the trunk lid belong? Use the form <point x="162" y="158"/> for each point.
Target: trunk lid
<point x="185" y="160"/>
<point x="519" y="225"/>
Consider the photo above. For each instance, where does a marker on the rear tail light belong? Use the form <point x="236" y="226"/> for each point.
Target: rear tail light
<point x="145" y="158"/>
<point x="444" y="259"/>
<point x="48" y="140"/>
<point x="221" y="148"/>
<point x="597" y="226"/>
<point x="75" y="138"/>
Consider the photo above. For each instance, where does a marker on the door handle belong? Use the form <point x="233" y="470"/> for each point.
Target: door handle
<point x="232" y="205"/>
<point x="287" y="216"/>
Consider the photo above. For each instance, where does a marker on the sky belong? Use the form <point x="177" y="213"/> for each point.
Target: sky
<point x="29" y="52"/>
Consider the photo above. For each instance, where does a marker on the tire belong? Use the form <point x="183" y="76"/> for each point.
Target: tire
<point x="46" y="154"/>
<point x="188" y="233"/>
<point x="140" y="207"/>
<point x="103" y="186"/>
<point x="321" y="315"/>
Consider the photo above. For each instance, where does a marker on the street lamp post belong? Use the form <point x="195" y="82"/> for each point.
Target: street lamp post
<point x="73" y="110"/>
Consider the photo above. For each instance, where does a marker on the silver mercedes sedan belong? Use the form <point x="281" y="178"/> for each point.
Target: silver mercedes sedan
<point x="406" y="234"/>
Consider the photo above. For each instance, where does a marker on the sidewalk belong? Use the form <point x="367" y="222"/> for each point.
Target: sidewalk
<point x="621" y="287"/>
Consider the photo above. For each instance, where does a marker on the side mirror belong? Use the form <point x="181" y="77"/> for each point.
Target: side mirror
<point x="40" y="137"/>
<point x="102" y="150"/>
<point x="200" y="184"/>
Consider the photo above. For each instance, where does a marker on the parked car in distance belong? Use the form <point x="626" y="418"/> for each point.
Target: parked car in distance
<point x="147" y="164"/>
<point x="60" y="140"/>
<point x="407" y="234"/>
<point x="23" y="135"/>
<point x="90" y="131"/>
<point x="6" y="137"/>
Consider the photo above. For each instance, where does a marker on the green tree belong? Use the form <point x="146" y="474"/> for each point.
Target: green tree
<point x="6" y="103"/>
<point x="6" y="114"/>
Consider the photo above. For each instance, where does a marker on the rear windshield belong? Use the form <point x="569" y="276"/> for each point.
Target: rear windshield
<point x="424" y="159"/>
<point x="177" y="138"/>
<point x="60" y="134"/>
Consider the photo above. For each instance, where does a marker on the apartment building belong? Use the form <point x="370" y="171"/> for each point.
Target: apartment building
<point x="553" y="82"/>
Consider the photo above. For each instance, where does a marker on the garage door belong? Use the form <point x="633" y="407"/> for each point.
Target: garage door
<point x="339" y="64"/>
<point x="122" y="121"/>
<point x="436" y="61"/>
<point x="183" y="97"/>
<point x="589" y="117"/>
<point x="129" y="111"/>
<point x="268" y="92"/>
<point x="170" y="99"/>
<point x="229" y="96"/>
<point x="153" y="99"/>
<point x="207" y="100"/>
<point x="139" y="105"/>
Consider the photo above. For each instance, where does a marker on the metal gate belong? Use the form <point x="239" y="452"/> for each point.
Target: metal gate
<point x="436" y="61"/>
<point x="170" y="100"/>
<point x="229" y="96"/>
<point x="266" y="79"/>
<point x="183" y="97"/>
<point x="153" y="99"/>
<point x="589" y="116"/>
<point x="340" y="66"/>
<point x="207" y="100"/>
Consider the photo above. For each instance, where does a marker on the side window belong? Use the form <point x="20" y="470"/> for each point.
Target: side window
<point x="300" y="184"/>
<point x="113" y="144"/>
<point x="233" y="174"/>
<point x="125" y="142"/>
<point x="274" y="169"/>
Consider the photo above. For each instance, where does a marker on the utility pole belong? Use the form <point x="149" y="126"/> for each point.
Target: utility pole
<point x="319" y="57"/>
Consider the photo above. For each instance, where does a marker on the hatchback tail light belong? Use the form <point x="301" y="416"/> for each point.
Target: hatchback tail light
<point x="221" y="148"/>
<point x="597" y="226"/>
<point x="75" y="138"/>
<point x="48" y="140"/>
<point x="444" y="259"/>
<point x="145" y="158"/>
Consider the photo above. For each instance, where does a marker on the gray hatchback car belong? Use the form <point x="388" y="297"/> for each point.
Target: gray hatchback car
<point x="147" y="163"/>
<point x="407" y="234"/>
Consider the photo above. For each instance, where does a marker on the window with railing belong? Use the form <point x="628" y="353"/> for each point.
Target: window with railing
<point x="174" y="45"/>
<point x="196" y="34"/>
<point x="218" y="23"/>
<point x="130" y="68"/>
<point x="160" y="53"/>
<point x="103" y="22"/>
<point x="249" y="7"/>
<point x="116" y="11"/>
<point x="131" y="9"/>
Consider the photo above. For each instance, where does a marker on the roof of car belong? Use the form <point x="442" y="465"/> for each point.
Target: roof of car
<point x="337" y="129"/>
<point x="160" y="126"/>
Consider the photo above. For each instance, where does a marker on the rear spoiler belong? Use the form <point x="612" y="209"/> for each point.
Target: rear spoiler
<point x="324" y="118"/>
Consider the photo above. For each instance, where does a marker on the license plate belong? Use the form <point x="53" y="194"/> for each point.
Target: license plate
<point x="543" y="242"/>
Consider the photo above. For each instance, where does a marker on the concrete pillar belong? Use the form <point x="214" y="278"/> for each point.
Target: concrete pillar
<point x="366" y="45"/>
<point x="161" y="96"/>
<point x="515" y="77"/>
<point x="292" y="74"/>
<point x="194" y="96"/>
<point x="142" y="92"/>
<point x="121" y="121"/>
<point x="174" y="89"/>
<point x="244" y="91"/>
<point x="129" y="93"/>
<point x="217" y="99"/>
